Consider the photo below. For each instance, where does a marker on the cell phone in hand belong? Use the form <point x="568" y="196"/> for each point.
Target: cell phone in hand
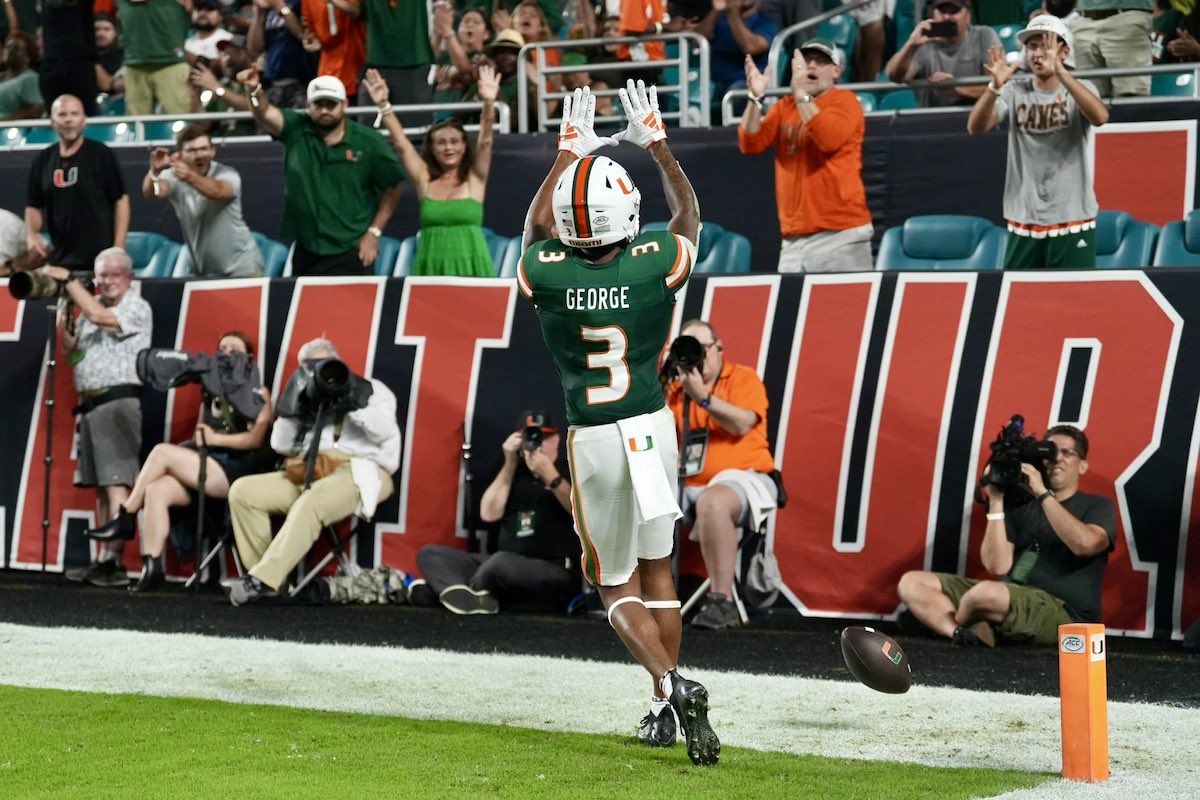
<point x="942" y="29"/>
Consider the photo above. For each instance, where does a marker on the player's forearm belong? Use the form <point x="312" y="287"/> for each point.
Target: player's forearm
<point x="681" y="198"/>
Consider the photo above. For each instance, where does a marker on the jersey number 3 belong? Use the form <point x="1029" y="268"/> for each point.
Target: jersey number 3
<point x="611" y="359"/>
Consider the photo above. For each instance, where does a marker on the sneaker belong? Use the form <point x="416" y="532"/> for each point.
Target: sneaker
<point x="421" y="594"/>
<point x="107" y="574"/>
<point x="78" y="574"/>
<point x="717" y="613"/>
<point x="658" y="731"/>
<point x="978" y="635"/>
<point x="689" y="699"/>
<point x="247" y="590"/>
<point x="462" y="599"/>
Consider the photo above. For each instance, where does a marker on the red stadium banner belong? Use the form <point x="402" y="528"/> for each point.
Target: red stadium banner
<point x="885" y="390"/>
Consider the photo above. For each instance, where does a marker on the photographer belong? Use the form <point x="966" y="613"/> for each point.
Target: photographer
<point x="235" y="447"/>
<point x="359" y="449"/>
<point x="1048" y="553"/>
<point x="534" y="564"/>
<point x="726" y="459"/>
<point x="103" y="346"/>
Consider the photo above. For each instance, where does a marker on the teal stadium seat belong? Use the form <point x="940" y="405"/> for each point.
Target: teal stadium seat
<point x="385" y="259"/>
<point x="44" y="135"/>
<point x="112" y="106"/>
<point x="512" y="256"/>
<point x="497" y="246"/>
<point x="1173" y="84"/>
<point x="1179" y="243"/>
<point x="942" y="242"/>
<point x="274" y="255"/>
<point x="719" y="250"/>
<point x="842" y="30"/>
<point x="108" y="132"/>
<point x="1008" y="37"/>
<point x="1123" y="242"/>
<point x="153" y="255"/>
<point x="12" y="136"/>
<point x="900" y="98"/>
<point x="162" y="131"/>
<point x="866" y="100"/>
<point x="902" y="22"/>
<point x="406" y="256"/>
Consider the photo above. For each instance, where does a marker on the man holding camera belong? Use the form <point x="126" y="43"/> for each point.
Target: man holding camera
<point x="103" y="346"/>
<point x="1049" y="555"/>
<point x="358" y="445"/>
<point x="533" y="565"/>
<point x="726" y="460"/>
<point x="944" y="47"/>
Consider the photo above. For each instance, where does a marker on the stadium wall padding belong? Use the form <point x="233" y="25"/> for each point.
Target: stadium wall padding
<point x="885" y="390"/>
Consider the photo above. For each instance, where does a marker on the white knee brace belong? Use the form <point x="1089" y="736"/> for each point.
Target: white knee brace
<point x="663" y="604"/>
<point x="628" y="599"/>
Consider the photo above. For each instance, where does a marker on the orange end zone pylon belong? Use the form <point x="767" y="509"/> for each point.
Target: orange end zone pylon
<point x="1083" y="688"/>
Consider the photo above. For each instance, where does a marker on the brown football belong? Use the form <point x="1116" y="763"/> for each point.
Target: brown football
<point x="876" y="660"/>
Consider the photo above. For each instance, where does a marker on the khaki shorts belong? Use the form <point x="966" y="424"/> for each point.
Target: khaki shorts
<point x="604" y="506"/>
<point x="1033" y="614"/>
<point x="828" y="251"/>
<point x="1122" y="40"/>
<point x="110" y="440"/>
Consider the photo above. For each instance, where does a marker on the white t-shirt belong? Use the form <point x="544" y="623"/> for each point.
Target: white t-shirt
<point x="12" y="236"/>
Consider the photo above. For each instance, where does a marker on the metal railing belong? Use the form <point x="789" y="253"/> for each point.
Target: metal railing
<point x="782" y="37"/>
<point x="688" y="97"/>
<point x="733" y="95"/>
<point x="131" y="131"/>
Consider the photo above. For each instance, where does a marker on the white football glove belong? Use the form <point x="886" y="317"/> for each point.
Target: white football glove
<point x="641" y="107"/>
<point x="577" y="133"/>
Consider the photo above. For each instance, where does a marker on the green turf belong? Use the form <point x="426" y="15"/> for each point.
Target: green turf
<point x="56" y="744"/>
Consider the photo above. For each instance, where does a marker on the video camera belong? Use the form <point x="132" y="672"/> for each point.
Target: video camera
<point x="328" y="382"/>
<point x="1010" y="450"/>
<point x="233" y="376"/>
<point x="685" y="354"/>
<point x="37" y="285"/>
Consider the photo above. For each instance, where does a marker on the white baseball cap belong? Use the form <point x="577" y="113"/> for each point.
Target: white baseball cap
<point x="1048" y="23"/>
<point x="326" y="87"/>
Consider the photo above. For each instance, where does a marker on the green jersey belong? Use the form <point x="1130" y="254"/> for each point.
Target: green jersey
<point x="606" y="324"/>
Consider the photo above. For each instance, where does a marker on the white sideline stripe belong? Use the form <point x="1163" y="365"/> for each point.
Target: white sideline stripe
<point x="1152" y="747"/>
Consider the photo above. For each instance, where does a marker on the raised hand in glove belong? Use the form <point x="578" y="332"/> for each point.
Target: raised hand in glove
<point x="641" y="107"/>
<point x="577" y="132"/>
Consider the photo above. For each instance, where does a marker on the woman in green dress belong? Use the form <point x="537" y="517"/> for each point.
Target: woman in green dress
<point x="450" y="181"/>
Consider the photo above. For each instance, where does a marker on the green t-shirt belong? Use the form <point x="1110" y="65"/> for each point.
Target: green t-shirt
<point x="20" y="92"/>
<point x="332" y="191"/>
<point x="606" y="324"/>
<point x="397" y="33"/>
<point x="153" y="31"/>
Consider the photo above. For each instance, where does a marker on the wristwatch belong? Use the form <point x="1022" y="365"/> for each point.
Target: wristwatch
<point x="219" y="91"/>
<point x="554" y="484"/>
<point x="1044" y="496"/>
<point x="375" y="231"/>
<point x="804" y="98"/>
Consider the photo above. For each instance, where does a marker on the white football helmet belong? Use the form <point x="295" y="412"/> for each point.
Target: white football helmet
<point x="595" y="203"/>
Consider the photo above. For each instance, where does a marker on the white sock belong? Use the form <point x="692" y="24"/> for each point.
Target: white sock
<point x="664" y="683"/>
<point x="657" y="704"/>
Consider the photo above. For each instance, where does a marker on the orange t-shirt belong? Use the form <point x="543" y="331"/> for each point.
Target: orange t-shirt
<point x="343" y="55"/>
<point x="741" y="386"/>
<point x="639" y="16"/>
<point x="818" y="166"/>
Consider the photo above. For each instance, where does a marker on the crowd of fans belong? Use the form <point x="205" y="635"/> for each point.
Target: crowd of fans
<point x="176" y="56"/>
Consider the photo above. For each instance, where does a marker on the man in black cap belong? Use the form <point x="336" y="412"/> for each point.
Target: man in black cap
<point x="931" y="55"/>
<point x="534" y="564"/>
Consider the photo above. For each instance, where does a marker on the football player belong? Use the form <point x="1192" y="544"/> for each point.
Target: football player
<point x="605" y="294"/>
